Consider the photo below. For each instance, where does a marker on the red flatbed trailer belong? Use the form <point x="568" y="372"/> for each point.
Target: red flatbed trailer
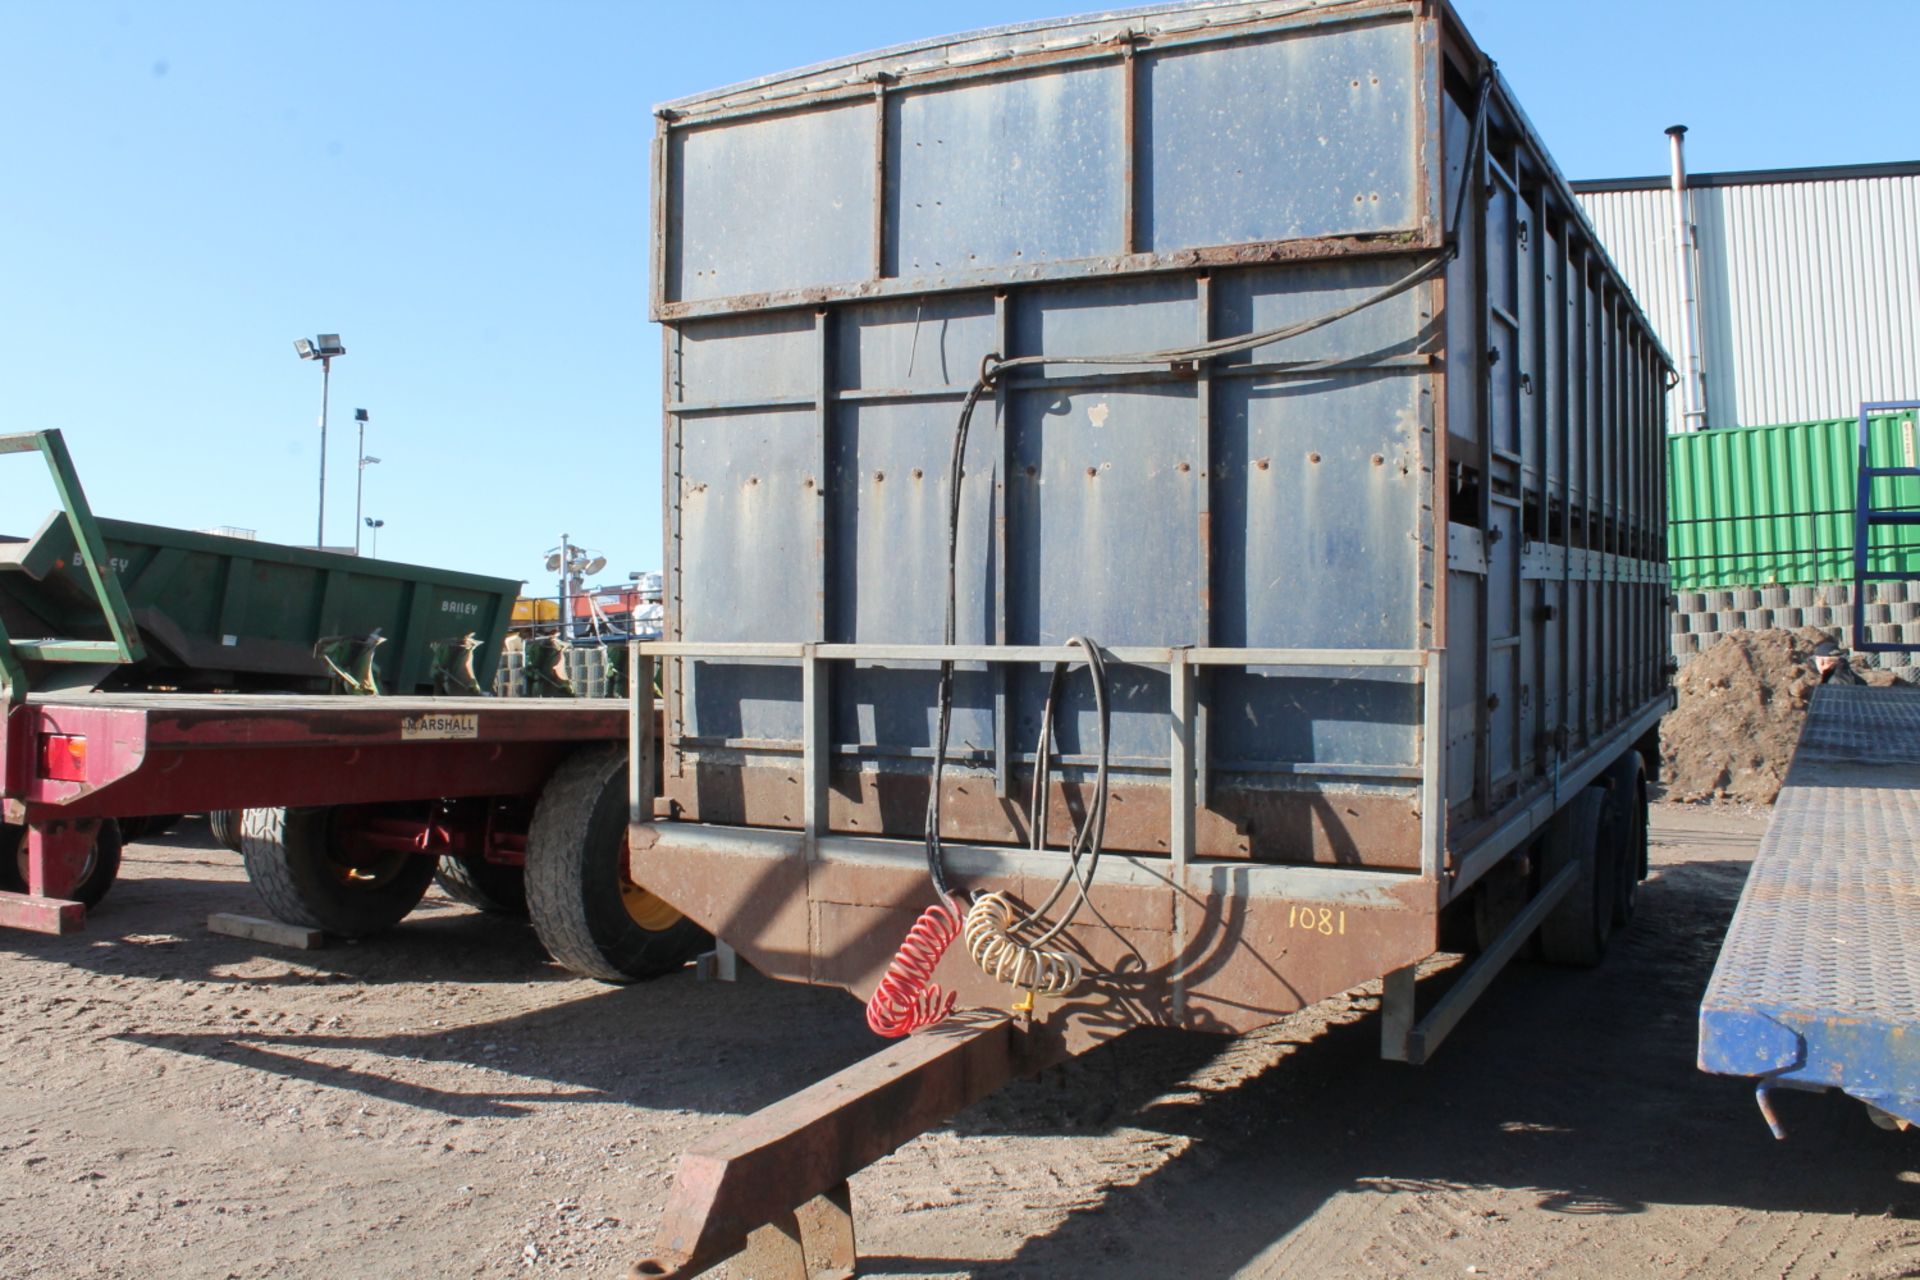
<point x="377" y="779"/>
<point x="71" y="760"/>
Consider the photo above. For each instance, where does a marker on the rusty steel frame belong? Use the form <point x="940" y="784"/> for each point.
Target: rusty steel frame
<point x="173" y="753"/>
<point x="775" y="1182"/>
<point x="1406" y="1037"/>
<point x="1200" y="938"/>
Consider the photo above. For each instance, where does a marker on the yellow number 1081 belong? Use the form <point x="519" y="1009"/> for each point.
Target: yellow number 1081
<point x="1323" y="920"/>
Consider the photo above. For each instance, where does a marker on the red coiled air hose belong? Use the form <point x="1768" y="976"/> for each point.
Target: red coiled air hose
<point x="908" y="998"/>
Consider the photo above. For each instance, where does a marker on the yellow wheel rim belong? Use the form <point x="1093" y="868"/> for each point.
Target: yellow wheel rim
<point x="647" y="909"/>
<point x="370" y="874"/>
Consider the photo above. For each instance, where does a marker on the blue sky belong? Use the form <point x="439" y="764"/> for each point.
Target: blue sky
<point x="460" y="190"/>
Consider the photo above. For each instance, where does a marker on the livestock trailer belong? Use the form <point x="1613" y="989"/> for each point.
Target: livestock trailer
<point x="1212" y="434"/>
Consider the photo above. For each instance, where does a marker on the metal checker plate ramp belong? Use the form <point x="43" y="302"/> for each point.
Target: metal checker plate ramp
<point x="1818" y="982"/>
<point x="1852" y="723"/>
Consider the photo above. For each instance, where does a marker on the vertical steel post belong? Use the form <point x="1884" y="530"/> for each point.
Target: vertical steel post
<point x="320" y="524"/>
<point x="641" y="746"/>
<point x="1397" y="996"/>
<point x="1180" y="775"/>
<point x="1181" y="818"/>
<point x="1862" y="528"/>
<point x="1433" y="765"/>
<point x="815" y="749"/>
<point x="359" y="482"/>
<point x="1693" y="380"/>
<point x="360" y="462"/>
<point x="564" y="623"/>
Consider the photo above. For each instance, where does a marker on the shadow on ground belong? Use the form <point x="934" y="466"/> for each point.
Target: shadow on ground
<point x="1574" y="1090"/>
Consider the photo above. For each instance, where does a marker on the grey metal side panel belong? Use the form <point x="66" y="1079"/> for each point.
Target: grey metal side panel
<point x="781" y="205"/>
<point x="1281" y="134"/>
<point x="751" y="568"/>
<point x="1030" y="168"/>
<point x="1296" y="135"/>
<point x="1081" y="511"/>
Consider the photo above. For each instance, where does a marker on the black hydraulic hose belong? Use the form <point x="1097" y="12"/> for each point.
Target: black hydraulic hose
<point x="956" y="471"/>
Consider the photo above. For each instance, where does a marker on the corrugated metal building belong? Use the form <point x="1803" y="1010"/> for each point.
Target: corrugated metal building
<point x="1809" y="284"/>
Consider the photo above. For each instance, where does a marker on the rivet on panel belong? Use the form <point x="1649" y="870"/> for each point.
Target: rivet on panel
<point x="1261" y="464"/>
<point x="1379" y="461"/>
<point x="1313" y="457"/>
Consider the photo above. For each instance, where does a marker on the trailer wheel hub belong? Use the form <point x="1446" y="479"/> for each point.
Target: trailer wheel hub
<point x="86" y="868"/>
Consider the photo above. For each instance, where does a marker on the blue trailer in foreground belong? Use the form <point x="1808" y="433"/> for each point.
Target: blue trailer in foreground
<point x="1818" y="982"/>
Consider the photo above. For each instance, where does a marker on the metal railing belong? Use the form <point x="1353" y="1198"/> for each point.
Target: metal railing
<point x="1866" y="517"/>
<point x="1182" y="666"/>
<point x="91" y="550"/>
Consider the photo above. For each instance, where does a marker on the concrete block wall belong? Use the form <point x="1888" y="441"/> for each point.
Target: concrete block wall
<point x="1893" y="617"/>
<point x="586" y="666"/>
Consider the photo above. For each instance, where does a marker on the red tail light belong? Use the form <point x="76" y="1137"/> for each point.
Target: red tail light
<point x="63" y="757"/>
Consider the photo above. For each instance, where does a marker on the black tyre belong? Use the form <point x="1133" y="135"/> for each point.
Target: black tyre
<point x="101" y="870"/>
<point x="1500" y="896"/>
<point x="1576" y="932"/>
<point x="225" y="824"/>
<point x="484" y="886"/>
<point x="308" y="869"/>
<point x="590" y="915"/>
<point x="1623" y="832"/>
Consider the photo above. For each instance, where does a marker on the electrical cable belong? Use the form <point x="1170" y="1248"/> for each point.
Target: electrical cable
<point x="907" y="998"/>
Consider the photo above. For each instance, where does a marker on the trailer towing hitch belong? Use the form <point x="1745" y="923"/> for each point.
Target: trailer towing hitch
<point x="772" y="1187"/>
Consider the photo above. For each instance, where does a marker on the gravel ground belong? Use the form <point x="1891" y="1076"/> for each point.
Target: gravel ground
<point x="444" y="1102"/>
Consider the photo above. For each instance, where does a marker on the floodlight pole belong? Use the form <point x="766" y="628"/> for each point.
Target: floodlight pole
<point x="360" y="475"/>
<point x="566" y="565"/>
<point x="320" y="528"/>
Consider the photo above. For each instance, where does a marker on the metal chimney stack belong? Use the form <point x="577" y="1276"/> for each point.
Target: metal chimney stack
<point x="1693" y="378"/>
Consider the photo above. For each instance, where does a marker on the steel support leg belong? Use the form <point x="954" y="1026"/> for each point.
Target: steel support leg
<point x="1402" y="1038"/>
<point x="722" y="964"/>
<point x="813" y="1242"/>
<point x="56" y="857"/>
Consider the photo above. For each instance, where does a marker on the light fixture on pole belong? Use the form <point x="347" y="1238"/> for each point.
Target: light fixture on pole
<point x="360" y="476"/>
<point x="322" y="348"/>
<point x="376" y="526"/>
<point x="573" y="564"/>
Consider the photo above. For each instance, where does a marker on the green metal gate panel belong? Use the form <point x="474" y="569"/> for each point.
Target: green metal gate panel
<point x="1755" y="505"/>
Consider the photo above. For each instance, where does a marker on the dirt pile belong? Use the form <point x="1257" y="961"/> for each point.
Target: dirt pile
<point x="1742" y="703"/>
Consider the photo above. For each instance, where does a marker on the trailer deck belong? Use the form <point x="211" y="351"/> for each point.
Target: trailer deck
<point x="1818" y="982"/>
<point x="69" y="760"/>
